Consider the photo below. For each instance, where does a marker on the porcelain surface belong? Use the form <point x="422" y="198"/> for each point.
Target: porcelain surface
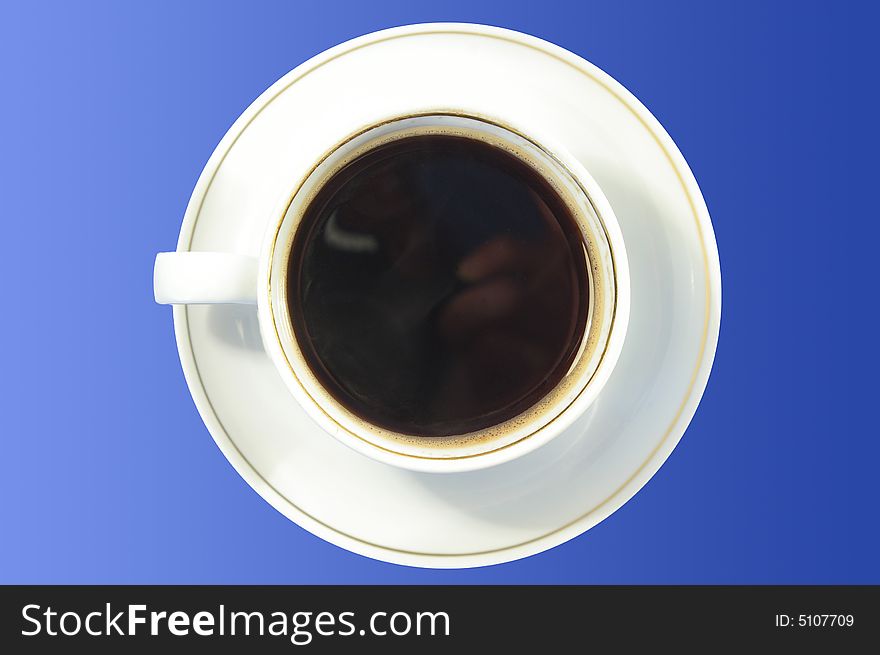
<point x="553" y="493"/>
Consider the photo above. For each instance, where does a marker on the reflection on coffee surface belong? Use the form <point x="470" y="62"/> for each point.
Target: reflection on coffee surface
<point x="438" y="286"/>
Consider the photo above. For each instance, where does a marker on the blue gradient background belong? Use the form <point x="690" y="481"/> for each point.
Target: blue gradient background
<point x="109" y="111"/>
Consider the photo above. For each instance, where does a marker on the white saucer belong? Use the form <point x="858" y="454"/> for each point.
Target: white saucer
<point x="554" y="493"/>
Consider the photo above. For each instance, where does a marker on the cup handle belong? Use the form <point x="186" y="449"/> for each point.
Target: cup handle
<point x="204" y="278"/>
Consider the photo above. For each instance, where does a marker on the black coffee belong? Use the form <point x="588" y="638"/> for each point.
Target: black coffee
<point x="438" y="286"/>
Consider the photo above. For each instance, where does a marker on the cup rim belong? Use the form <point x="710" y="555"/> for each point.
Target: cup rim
<point x="562" y="414"/>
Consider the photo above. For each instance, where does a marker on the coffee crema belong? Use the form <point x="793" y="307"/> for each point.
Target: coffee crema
<point x="438" y="285"/>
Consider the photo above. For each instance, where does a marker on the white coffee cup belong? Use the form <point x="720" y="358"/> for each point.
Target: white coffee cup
<point x="186" y="277"/>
